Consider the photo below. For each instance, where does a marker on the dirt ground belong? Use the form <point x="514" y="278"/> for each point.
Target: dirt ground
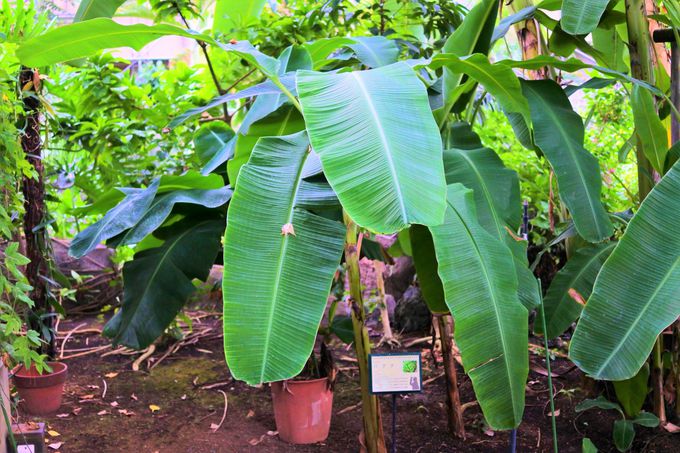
<point x="108" y="407"/>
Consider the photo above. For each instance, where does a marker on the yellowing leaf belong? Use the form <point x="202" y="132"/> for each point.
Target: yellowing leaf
<point x="53" y="433"/>
<point x="111" y="375"/>
<point x="154" y="408"/>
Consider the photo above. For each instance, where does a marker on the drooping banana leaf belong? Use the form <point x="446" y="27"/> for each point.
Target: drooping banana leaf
<point x="636" y="293"/>
<point x="649" y="128"/>
<point x="279" y="262"/>
<point x="372" y="153"/>
<point x="214" y="145"/>
<point x="497" y="199"/>
<point x="580" y="17"/>
<point x="497" y="78"/>
<point x="579" y="274"/>
<point x="504" y="25"/>
<point x="82" y="39"/>
<point x="90" y="9"/>
<point x="559" y="133"/>
<point x="425" y="261"/>
<point x="491" y="323"/>
<point x="123" y="216"/>
<point x="158" y="281"/>
<point x="162" y="205"/>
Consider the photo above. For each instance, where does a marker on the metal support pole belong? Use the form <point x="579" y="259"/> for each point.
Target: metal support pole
<point x="394" y="423"/>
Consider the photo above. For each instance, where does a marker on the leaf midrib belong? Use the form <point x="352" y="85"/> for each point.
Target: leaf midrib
<point x="386" y="145"/>
<point x="279" y="269"/>
<point x="494" y="303"/>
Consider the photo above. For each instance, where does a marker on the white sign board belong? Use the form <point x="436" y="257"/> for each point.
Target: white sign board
<point x="395" y="373"/>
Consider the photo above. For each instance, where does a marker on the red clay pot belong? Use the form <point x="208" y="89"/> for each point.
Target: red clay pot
<point x="302" y="410"/>
<point x="41" y="393"/>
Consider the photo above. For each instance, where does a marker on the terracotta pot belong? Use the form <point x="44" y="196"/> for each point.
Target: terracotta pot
<point x="302" y="410"/>
<point x="41" y="393"/>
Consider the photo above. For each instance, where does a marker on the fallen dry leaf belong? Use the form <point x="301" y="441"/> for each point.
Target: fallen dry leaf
<point x="56" y="445"/>
<point x="53" y="433"/>
<point x="154" y="408"/>
<point x="214" y="427"/>
<point x="126" y="412"/>
<point x="255" y="441"/>
<point x="63" y="415"/>
<point x="557" y="413"/>
<point x="76" y="410"/>
<point x="251" y="413"/>
<point x="114" y="403"/>
<point x="134" y="397"/>
<point x="183" y="397"/>
<point x="103" y="412"/>
<point x="111" y="375"/>
<point x="87" y="397"/>
<point x="671" y="428"/>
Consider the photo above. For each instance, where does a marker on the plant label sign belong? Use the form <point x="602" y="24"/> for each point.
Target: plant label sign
<point x="395" y="373"/>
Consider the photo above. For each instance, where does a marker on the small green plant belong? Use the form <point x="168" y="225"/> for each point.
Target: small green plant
<point x="623" y="432"/>
<point x="409" y="366"/>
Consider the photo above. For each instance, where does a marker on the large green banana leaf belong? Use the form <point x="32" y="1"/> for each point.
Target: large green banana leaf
<point x="375" y="51"/>
<point x="491" y="323"/>
<point x="473" y="36"/>
<point x="233" y="17"/>
<point x="579" y="274"/>
<point x="636" y="293"/>
<point x="89" y="9"/>
<point x="379" y="145"/>
<point x="580" y="17"/>
<point x="158" y="281"/>
<point x="124" y="215"/>
<point x="497" y="199"/>
<point x="279" y="262"/>
<point x="559" y="132"/>
<point x="82" y="39"/>
<point x="214" y="144"/>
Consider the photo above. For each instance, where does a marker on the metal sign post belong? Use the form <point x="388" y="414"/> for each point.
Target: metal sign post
<point x="395" y="373"/>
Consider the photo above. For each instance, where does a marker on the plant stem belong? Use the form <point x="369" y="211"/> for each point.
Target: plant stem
<point x="455" y="409"/>
<point x="373" y="431"/>
<point x="213" y="74"/>
<point x="550" y="384"/>
<point x="640" y="48"/>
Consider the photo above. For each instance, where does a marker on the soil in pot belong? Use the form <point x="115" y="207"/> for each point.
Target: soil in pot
<point x="302" y="410"/>
<point x="40" y="393"/>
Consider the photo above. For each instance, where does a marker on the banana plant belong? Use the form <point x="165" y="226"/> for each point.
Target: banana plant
<point x="376" y="141"/>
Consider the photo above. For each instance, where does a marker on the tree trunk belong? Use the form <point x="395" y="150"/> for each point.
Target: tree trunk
<point x="454" y="407"/>
<point x="641" y="55"/>
<point x="35" y="230"/>
<point x="530" y="39"/>
<point x="374" y="437"/>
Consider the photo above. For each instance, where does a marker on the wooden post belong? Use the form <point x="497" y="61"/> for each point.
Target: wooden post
<point x="455" y="408"/>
